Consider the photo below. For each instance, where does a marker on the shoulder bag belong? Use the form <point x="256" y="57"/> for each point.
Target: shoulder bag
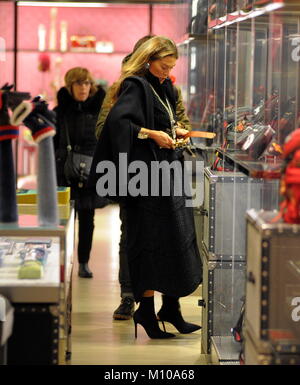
<point x="77" y="165"/>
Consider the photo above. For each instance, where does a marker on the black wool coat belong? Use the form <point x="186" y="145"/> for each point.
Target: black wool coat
<point x="161" y="241"/>
<point x="80" y="118"/>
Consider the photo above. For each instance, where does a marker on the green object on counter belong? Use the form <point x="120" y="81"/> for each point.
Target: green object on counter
<point x="30" y="270"/>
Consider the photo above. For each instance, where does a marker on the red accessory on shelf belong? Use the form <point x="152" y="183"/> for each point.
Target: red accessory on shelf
<point x="44" y="62"/>
<point x="83" y="43"/>
<point x="290" y="181"/>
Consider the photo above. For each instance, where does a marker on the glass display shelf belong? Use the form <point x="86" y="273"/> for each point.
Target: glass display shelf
<point x="45" y="289"/>
<point x="45" y="300"/>
<point x="69" y="51"/>
<point x="28" y="227"/>
<point x="270" y="168"/>
<point x="236" y="13"/>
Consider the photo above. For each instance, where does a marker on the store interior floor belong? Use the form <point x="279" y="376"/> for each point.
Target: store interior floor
<point x="97" y="339"/>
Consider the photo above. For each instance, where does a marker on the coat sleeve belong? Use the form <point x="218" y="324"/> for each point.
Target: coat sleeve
<point x="121" y="127"/>
<point x="105" y="108"/>
<point x="180" y="111"/>
<point x="126" y="117"/>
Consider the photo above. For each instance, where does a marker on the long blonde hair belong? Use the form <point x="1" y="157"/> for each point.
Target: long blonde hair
<point x="155" y="48"/>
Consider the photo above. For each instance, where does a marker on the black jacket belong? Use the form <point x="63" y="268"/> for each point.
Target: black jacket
<point x="80" y="118"/>
<point x="133" y="110"/>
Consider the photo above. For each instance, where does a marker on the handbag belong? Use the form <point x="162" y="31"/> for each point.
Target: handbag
<point x="77" y="165"/>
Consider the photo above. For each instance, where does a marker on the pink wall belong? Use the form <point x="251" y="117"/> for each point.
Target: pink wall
<point x="7" y="41"/>
<point x="7" y="23"/>
<point x="122" y="24"/>
<point x="170" y="20"/>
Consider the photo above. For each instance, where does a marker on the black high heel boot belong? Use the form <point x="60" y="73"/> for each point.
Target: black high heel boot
<point x="145" y="316"/>
<point x="84" y="271"/>
<point x="170" y="312"/>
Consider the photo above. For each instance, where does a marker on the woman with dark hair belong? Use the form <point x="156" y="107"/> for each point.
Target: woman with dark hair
<point x="79" y="103"/>
<point x="161" y="243"/>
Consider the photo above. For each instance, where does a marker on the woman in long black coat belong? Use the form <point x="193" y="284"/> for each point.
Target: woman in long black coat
<point x="161" y="242"/>
<point x="79" y="103"/>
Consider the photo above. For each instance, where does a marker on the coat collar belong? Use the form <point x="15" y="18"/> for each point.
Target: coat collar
<point x="66" y="101"/>
<point x="163" y="89"/>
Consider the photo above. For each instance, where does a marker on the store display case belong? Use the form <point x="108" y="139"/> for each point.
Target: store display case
<point x="254" y="357"/>
<point x="36" y="277"/>
<point x="252" y="77"/>
<point x="260" y="71"/>
<point x="228" y="195"/>
<point x="224" y="224"/>
<point x="273" y="286"/>
<point x="194" y="80"/>
<point x="192" y="62"/>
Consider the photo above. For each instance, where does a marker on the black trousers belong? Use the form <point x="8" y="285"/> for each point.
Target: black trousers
<point x="85" y="234"/>
<point x="124" y="277"/>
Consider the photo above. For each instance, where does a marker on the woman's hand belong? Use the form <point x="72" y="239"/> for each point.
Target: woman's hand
<point x="181" y="140"/>
<point x="162" y="139"/>
<point x="181" y="132"/>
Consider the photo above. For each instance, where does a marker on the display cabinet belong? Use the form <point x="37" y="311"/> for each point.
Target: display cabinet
<point x="36" y="277"/>
<point x="251" y="102"/>
<point x="192" y="56"/>
<point x="260" y="71"/>
<point x="272" y="312"/>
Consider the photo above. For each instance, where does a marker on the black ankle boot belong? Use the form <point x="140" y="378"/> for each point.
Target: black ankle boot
<point x="125" y="310"/>
<point x="145" y="316"/>
<point x="170" y="312"/>
<point x="84" y="271"/>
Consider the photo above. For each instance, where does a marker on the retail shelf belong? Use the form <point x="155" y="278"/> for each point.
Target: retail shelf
<point x="269" y="169"/>
<point x="191" y="37"/>
<point x="28" y="227"/>
<point x="68" y="52"/>
<point x="43" y="290"/>
<point x="251" y="11"/>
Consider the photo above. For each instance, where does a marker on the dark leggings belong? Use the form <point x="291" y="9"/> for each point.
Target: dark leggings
<point x="124" y="277"/>
<point x="85" y="234"/>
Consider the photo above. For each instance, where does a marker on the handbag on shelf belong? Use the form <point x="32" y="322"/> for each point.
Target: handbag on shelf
<point x="198" y="23"/>
<point x="77" y="165"/>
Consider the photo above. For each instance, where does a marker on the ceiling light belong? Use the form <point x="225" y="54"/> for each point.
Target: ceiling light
<point x="60" y="4"/>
